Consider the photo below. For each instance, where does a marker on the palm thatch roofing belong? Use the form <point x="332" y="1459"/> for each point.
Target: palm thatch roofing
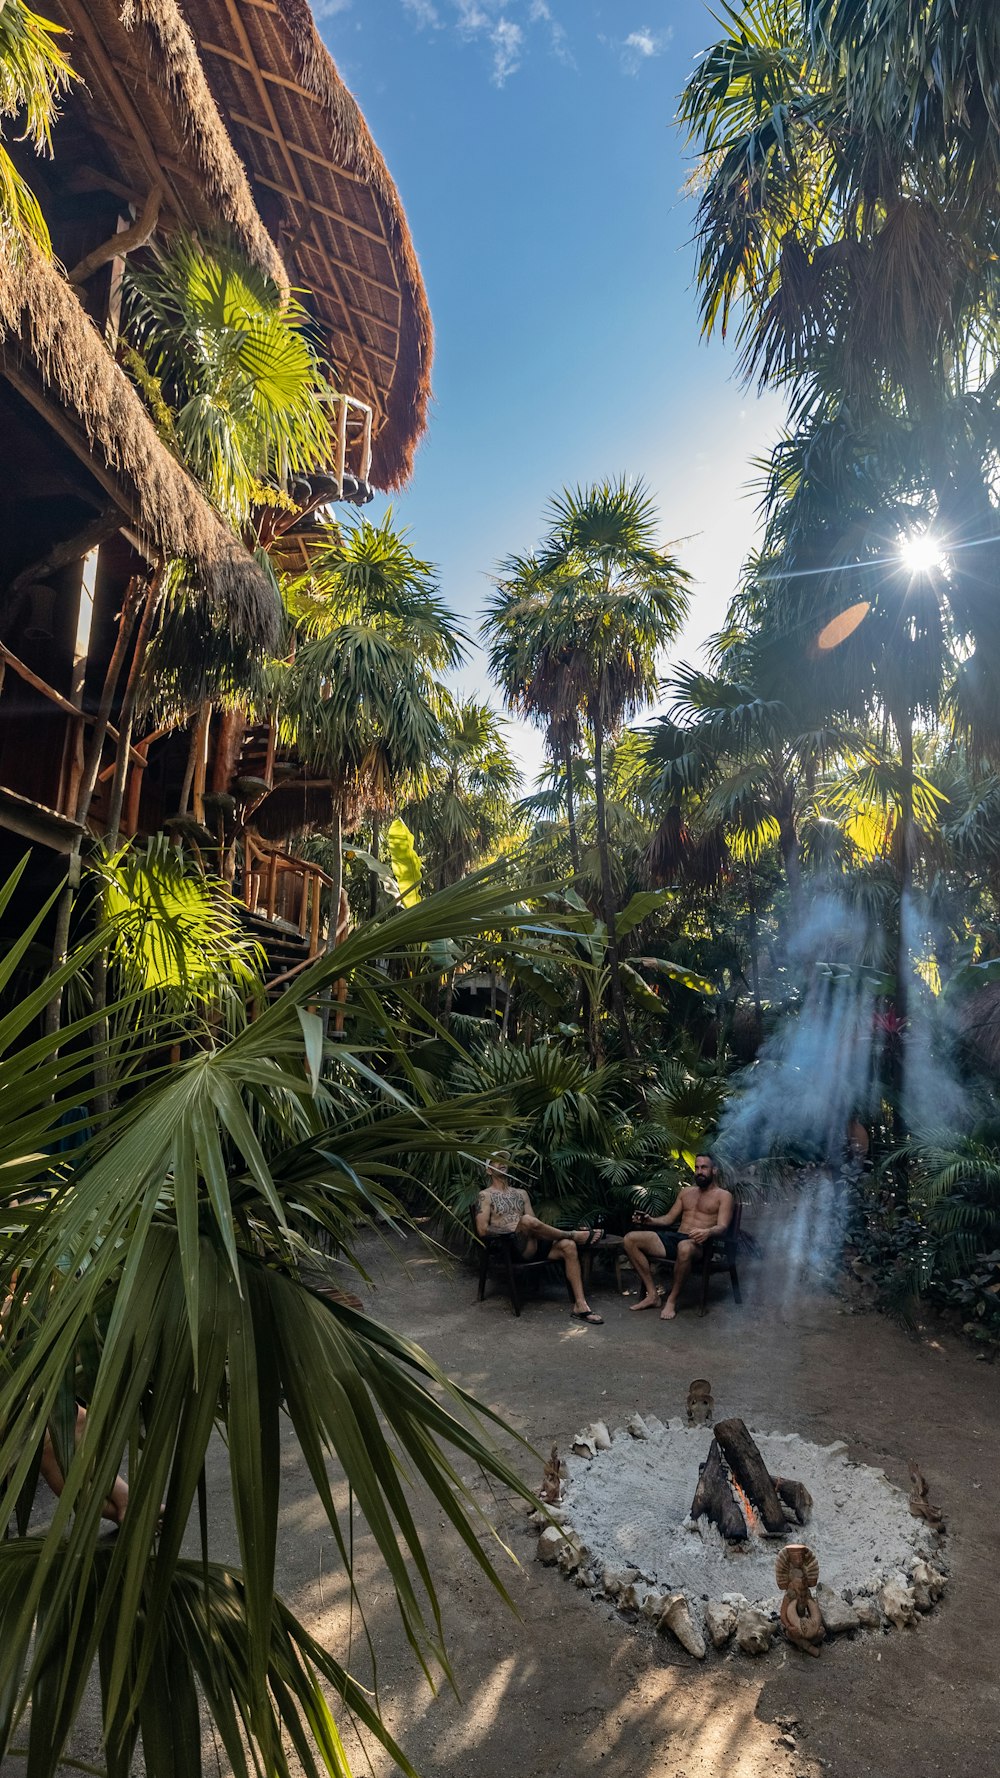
<point x="52" y="353"/>
<point x="295" y="806"/>
<point x="145" y="94"/>
<point x="333" y="208"/>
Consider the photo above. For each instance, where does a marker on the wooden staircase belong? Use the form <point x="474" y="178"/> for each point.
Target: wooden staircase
<point x="284" y="947"/>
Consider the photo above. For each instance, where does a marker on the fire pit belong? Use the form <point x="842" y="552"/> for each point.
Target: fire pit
<point x="681" y="1525"/>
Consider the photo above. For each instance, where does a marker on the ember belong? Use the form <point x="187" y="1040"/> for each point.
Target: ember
<point x="735" y="1491"/>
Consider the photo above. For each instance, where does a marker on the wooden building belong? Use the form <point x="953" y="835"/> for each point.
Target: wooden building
<point x="191" y="116"/>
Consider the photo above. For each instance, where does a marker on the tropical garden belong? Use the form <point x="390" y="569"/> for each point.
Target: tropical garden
<point x="751" y="901"/>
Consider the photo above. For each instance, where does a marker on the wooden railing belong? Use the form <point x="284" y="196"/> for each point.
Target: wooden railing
<point x="279" y="886"/>
<point x="70" y="772"/>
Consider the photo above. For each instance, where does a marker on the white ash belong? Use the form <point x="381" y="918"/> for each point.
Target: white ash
<point x="629" y="1506"/>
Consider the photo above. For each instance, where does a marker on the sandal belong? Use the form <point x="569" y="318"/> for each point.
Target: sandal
<point x="587" y="1315"/>
<point x="595" y="1236"/>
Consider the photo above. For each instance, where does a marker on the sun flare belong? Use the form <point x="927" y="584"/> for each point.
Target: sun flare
<point x="921" y="553"/>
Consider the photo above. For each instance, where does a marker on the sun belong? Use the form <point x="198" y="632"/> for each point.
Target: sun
<point x="921" y="553"/>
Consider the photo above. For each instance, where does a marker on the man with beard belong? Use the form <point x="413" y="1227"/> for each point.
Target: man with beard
<point x="700" y="1211"/>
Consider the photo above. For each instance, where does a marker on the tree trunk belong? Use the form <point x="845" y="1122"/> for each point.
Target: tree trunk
<point x="85" y="789"/>
<point x="753" y="941"/>
<point x="373" y="885"/>
<point x="900" y="1128"/>
<point x="337" y="836"/>
<point x="607" y="887"/>
<point x="574" y="849"/>
<point x="127" y="717"/>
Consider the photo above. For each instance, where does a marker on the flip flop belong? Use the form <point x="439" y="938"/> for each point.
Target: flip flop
<point x="587" y="1315"/>
<point x="594" y="1238"/>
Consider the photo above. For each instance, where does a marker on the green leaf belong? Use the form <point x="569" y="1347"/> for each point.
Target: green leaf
<point x="406" y="866"/>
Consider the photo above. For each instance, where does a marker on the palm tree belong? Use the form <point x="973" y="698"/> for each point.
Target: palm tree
<point x="536" y="679"/>
<point x="360" y="699"/>
<point x="466" y="812"/>
<point x="243" y="396"/>
<point x="616" y="600"/>
<point x="34" y="72"/>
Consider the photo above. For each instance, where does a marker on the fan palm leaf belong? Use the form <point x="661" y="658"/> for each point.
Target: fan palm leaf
<point x="161" y="1280"/>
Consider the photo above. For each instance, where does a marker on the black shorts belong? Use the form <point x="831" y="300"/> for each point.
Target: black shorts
<point x="671" y="1240"/>
<point x="542" y="1247"/>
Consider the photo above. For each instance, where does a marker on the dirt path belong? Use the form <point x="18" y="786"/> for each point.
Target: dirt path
<point x="570" y="1688"/>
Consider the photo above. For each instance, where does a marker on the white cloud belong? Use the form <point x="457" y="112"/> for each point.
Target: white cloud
<point x="540" y="13"/>
<point x="503" y="26"/>
<point x="641" y="46"/>
<point x="327" y="9"/>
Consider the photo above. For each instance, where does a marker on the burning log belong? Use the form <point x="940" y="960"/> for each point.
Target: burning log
<point x="749" y="1471"/>
<point x="795" y="1497"/>
<point x="736" y="1492"/>
<point x="714" y="1499"/>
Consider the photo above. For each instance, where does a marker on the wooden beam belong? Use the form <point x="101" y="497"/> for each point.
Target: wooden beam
<point x="366" y="315"/>
<point x="254" y="68"/>
<point x="306" y="154"/>
<point x="57" y="418"/>
<point x="299" y="197"/>
<point x="120" y="244"/>
<point x="87" y="33"/>
<point x="38" y="823"/>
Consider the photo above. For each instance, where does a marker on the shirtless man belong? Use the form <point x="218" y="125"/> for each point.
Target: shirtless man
<point x="505" y="1209"/>
<point x="703" y="1210"/>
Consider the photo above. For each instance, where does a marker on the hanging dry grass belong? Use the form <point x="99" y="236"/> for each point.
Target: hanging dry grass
<point x="44" y="328"/>
<point x="175" y="67"/>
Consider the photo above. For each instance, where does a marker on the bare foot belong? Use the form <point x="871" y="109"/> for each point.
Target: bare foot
<point x="648" y="1302"/>
<point x="668" y="1313"/>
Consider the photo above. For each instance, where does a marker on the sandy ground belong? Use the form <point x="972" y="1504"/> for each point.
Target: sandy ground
<point x="566" y="1687"/>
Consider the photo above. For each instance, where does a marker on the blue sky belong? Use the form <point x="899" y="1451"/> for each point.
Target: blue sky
<point x="534" y="147"/>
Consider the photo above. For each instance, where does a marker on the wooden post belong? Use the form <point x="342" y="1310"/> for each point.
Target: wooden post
<point x="201" y="760"/>
<point x="272" y="885"/>
<point x="341" y="463"/>
<point x="134" y="791"/>
<point x="304" y="904"/>
<point x="317" y="896"/>
<point x="366" y="446"/>
<point x="227" y="749"/>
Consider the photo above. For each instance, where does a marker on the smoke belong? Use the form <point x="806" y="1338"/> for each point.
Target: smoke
<point x="817" y="1069"/>
<point x="824" y="1066"/>
<point x="934" y="1098"/>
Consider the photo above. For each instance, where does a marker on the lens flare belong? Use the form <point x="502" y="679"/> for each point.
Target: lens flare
<point x="843" y="625"/>
<point x="921" y="553"/>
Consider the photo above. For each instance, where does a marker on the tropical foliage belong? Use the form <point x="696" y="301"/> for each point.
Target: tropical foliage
<point x="242" y="393"/>
<point x="34" y="72"/>
<point x="182" y="1271"/>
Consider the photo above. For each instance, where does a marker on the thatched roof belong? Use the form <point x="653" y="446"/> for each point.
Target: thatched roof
<point x="295" y="805"/>
<point x="337" y="215"/>
<point x="54" y="355"/>
<point x="146" y="96"/>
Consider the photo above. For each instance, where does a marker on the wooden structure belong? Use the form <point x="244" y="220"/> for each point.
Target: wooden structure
<point x="191" y="116"/>
<point x="330" y="204"/>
